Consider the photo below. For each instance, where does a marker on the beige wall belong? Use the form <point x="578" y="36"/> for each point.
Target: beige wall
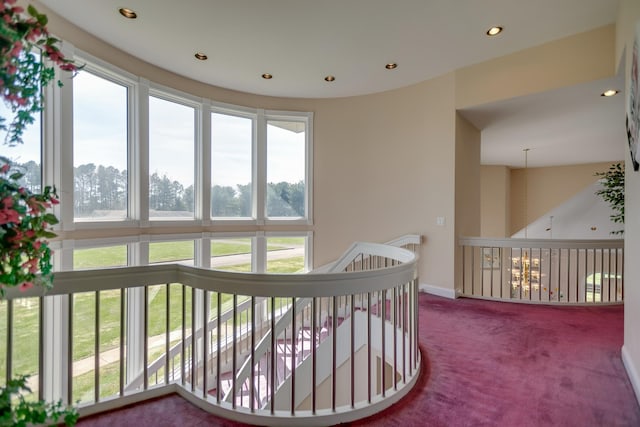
<point x="383" y="168"/>
<point x="467" y="196"/>
<point x="628" y="16"/>
<point x="546" y="188"/>
<point x="495" y="195"/>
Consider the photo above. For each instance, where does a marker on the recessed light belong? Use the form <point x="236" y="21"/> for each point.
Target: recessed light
<point x="267" y="76"/>
<point x="201" y="56"/>
<point x="494" y="31"/>
<point x="610" y="92"/>
<point x="127" y="13"/>
<point x="330" y="78"/>
<point x="391" y="66"/>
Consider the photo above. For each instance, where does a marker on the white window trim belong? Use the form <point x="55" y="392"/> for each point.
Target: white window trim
<point x="117" y="76"/>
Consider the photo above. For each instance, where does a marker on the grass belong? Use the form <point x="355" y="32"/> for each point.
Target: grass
<point x="26" y="311"/>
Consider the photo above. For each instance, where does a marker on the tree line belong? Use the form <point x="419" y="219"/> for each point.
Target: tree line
<point x="105" y="188"/>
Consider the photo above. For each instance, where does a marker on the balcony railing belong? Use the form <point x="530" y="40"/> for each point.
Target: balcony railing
<point x="543" y="271"/>
<point x="314" y="349"/>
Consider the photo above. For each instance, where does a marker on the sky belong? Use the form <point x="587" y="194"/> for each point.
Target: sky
<point x="100" y="135"/>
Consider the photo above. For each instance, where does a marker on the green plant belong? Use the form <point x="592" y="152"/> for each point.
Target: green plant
<point x="15" y="410"/>
<point x="612" y="192"/>
<point x="28" y="55"/>
<point x="25" y="259"/>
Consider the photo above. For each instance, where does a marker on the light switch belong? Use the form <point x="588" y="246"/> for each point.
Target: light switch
<point x="440" y="221"/>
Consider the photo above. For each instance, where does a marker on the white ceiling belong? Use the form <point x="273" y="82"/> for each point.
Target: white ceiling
<point x="300" y="42"/>
<point x="572" y="125"/>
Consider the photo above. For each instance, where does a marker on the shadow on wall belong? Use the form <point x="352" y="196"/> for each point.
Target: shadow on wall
<point x="584" y="216"/>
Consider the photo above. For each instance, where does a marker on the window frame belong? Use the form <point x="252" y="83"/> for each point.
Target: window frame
<point x="307" y="119"/>
<point x="117" y="76"/>
<point x="57" y="165"/>
<point x="171" y="95"/>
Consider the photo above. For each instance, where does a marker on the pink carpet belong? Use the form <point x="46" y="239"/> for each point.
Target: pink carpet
<point x="486" y="364"/>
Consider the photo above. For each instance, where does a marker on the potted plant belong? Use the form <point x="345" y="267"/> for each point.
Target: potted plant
<point x="612" y="192"/>
<point x="28" y="57"/>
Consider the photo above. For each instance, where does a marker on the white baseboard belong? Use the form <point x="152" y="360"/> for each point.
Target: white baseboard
<point x="632" y="372"/>
<point x="436" y="290"/>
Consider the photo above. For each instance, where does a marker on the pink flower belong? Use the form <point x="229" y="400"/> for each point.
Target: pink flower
<point x="9" y="216"/>
<point x="5" y="168"/>
<point x="25" y="286"/>
<point x="7" y="202"/>
<point x="17" y="48"/>
<point x="54" y="201"/>
<point x="35" y="205"/>
<point x="32" y="265"/>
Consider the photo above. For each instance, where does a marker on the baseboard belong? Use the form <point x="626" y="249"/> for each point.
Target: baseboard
<point x="632" y="372"/>
<point x="436" y="290"/>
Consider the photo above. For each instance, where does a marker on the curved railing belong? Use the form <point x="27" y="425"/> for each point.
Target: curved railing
<point x="345" y="344"/>
<point x="550" y="271"/>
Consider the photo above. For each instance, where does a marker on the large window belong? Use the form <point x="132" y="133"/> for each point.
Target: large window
<point x="171" y="159"/>
<point x="231" y="166"/>
<point x="99" y="148"/>
<point x="146" y="157"/>
<point x="286" y="188"/>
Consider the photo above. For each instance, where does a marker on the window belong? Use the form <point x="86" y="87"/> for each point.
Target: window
<point x="286" y="255"/>
<point x="100" y="257"/>
<point x="99" y="148"/>
<point x="286" y="161"/>
<point x="232" y="254"/>
<point x="181" y="251"/>
<point x="25" y="157"/>
<point x="171" y="160"/>
<point x="231" y="166"/>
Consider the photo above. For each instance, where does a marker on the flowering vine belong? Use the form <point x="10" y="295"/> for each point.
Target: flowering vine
<point x="28" y="55"/>
<point x="25" y="259"/>
<point x="25" y="44"/>
<point x="28" y="58"/>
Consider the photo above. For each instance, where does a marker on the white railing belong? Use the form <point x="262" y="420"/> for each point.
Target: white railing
<point x="543" y="271"/>
<point x="345" y="346"/>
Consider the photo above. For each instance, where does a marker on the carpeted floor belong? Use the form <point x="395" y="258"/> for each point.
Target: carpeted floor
<point x="485" y="364"/>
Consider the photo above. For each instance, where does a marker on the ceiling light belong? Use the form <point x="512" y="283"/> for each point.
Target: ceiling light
<point x="267" y="76"/>
<point x="201" y="56"/>
<point x="494" y="31"/>
<point x="610" y="92"/>
<point x="127" y="13"/>
<point x="330" y="78"/>
<point x="391" y="66"/>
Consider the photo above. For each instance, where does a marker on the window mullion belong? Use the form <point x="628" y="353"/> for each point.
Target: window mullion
<point x="202" y="185"/>
<point x="139" y="154"/>
<point x="62" y="139"/>
<point x="260" y="168"/>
